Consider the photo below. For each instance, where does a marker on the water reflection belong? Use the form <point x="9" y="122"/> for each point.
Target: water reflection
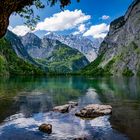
<point x="90" y="97"/>
<point x="65" y="126"/>
<point x="26" y="102"/>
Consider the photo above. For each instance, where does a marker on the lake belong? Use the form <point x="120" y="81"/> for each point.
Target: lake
<point x="27" y="102"/>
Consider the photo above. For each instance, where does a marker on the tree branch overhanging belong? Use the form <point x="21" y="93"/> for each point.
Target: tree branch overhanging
<point x="24" y="9"/>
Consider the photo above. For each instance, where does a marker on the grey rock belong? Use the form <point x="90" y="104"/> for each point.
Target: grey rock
<point x="94" y="110"/>
<point x="65" y="108"/>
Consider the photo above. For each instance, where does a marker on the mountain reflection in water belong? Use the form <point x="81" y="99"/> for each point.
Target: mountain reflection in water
<point x="26" y="102"/>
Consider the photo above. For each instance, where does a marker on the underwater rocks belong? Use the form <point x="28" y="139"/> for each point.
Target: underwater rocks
<point x="65" y="108"/>
<point x="94" y="110"/>
<point x="91" y="111"/>
<point x="46" y="128"/>
<point x="82" y="138"/>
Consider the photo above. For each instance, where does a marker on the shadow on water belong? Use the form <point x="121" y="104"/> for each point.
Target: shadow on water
<point x="26" y="102"/>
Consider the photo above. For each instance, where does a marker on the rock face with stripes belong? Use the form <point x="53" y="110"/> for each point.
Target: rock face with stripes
<point x="122" y="44"/>
<point x="119" y="53"/>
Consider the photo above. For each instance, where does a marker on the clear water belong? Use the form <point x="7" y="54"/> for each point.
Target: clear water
<point x="26" y="102"/>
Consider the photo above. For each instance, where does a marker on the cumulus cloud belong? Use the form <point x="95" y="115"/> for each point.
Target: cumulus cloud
<point x="105" y="17"/>
<point x="81" y="29"/>
<point x="66" y="20"/>
<point x="97" y="31"/>
<point x="63" y="21"/>
<point x="20" y="30"/>
<point x="76" y="33"/>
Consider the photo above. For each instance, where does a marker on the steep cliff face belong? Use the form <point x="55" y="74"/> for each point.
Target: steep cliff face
<point x="119" y="53"/>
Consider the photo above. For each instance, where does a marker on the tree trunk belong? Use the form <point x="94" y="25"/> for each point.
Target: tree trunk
<point x="4" y="22"/>
<point x="7" y="7"/>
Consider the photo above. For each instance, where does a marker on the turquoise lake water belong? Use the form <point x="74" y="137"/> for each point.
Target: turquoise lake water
<point x="27" y="102"/>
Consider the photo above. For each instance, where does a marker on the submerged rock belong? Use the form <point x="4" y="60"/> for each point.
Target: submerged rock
<point x="46" y="128"/>
<point x="94" y="110"/>
<point x="82" y="138"/>
<point x="65" y="108"/>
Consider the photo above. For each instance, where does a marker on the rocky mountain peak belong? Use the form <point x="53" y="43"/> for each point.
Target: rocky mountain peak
<point x="31" y="40"/>
<point x="83" y="44"/>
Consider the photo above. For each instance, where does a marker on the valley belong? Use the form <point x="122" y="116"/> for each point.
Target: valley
<point x="70" y="72"/>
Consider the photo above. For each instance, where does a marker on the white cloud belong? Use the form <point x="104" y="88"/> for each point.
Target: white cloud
<point x="81" y="29"/>
<point x="20" y="30"/>
<point x="76" y="33"/>
<point x="105" y="17"/>
<point x="97" y="31"/>
<point x="63" y="21"/>
<point x="67" y="20"/>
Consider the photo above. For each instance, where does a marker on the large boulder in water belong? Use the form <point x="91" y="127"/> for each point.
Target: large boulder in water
<point x="65" y="108"/>
<point x="46" y="128"/>
<point x="94" y="110"/>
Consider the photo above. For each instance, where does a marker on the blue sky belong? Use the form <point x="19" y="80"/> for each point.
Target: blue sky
<point x="89" y="18"/>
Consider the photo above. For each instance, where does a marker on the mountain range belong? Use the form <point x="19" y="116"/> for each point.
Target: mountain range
<point x="118" y="54"/>
<point x="32" y="55"/>
<point x="53" y="54"/>
<point x="88" y="47"/>
<point x="14" y="60"/>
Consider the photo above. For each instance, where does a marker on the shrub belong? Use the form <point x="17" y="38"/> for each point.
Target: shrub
<point x="127" y="72"/>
